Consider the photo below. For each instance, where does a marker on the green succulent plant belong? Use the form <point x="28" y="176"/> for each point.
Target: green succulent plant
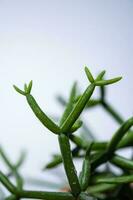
<point x="90" y="183"/>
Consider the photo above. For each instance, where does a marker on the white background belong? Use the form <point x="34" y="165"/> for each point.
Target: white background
<point x="50" y="42"/>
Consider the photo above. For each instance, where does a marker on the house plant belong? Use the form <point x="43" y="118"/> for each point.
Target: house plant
<point x="90" y="183"/>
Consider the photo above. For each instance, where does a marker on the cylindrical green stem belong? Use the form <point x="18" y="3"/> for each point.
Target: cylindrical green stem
<point x="86" y="170"/>
<point x="122" y="162"/>
<point x="68" y="164"/>
<point x="4" y="180"/>
<point x="118" y="135"/>
<point x="69" y="105"/>
<point x="116" y="180"/>
<point x="126" y="141"/>
<point x="100" y="188"/>
<point x="13" y="169"/>
<point x="47" y="195"/>
<point x="46" y="121"/>
<point x="73" y="116"/>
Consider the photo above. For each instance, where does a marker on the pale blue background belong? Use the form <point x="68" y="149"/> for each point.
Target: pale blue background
<point x="50" y="42"/>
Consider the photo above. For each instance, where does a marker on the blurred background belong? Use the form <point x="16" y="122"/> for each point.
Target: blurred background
<point x="50" y="42"/>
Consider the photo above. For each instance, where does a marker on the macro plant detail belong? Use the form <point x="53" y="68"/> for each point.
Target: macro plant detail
<point x="90" y="183"/>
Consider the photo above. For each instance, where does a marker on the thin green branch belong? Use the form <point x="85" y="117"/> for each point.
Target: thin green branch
<point x="86" y="169"/>
<point x="73" y="116"/>
<point x="112" y="112"/>
<point x="107" y="82"/>
<point x="127" y="141"/>
<point x="68" y="164"/>
<point x="100" y="75"/>
<point x="97" y="154"/>
<point x="99" y="188"/>
<point x="70" y="104"/>
<point x="89" y="75"/>
<point x="108" y="107"/>
<point x="118" y="135"/>
<point x="116" y="180"/>
<point x="12" y="168"/>
<point x="4" y="180"/>
<point x="122" y="162"/>
<point x="46" y="121"/>
<point x="20" y="160"/>
<point x="46" y="195"/>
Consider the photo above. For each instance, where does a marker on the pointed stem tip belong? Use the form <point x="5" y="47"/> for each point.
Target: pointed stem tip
<point x="89" y="75"/>
<point x="107" y="82"/>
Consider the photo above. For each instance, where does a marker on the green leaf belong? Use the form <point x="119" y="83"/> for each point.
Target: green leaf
<point x="70" y="103"/>
<point x="19" y="91"/>
<point x="61" y="100"/>
<point x="4" y="180"/>
<point x="122" y="162"/>
<point x="107" y="82"/>
<point x="46" y="121"/>
<point x="118" y="135"/>
<point x="55" y="162"/>
<point x="100" y="76"/>
<point x="89" y="75"/>
<point x="86" y="169"/>
<point x="20" y="160"/>
<point x="102" y="187"/>
<point x="29" y="87"/>
<point x="76" y="126"/>
<point x="93" y="102"/>
<point x="25" y="87"/>
<point x="75" y="113"/>
<point x="117" y="180"/>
